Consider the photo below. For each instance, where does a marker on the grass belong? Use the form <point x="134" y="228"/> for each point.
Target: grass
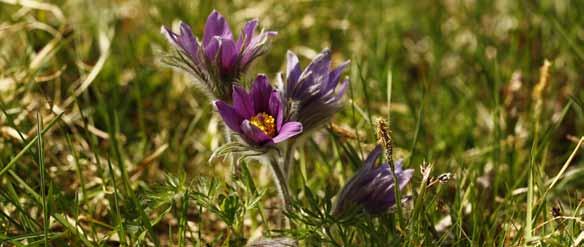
<point x="101" y="145"/>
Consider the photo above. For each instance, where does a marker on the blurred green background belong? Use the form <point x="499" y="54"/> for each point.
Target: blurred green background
<point x="460" y="76"/>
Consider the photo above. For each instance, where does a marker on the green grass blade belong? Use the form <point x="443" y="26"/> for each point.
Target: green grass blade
<point x="29" y="145"/>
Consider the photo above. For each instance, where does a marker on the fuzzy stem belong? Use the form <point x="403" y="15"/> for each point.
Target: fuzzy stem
<point x="287" y="162"/>
<point x="282" y="185"/>
<point x="235" y="171"/>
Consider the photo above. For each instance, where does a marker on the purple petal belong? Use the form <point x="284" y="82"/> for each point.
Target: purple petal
<point x="254" y="134"/>
<point x="242" y="102"/>
<point x="260" y="93"/>
<point x="228" y="54"/>
<point x="171" y="36"/>
<point x="271" y="34"/>
<point x="288" y="130"/>
<point x="255" y="47"/>
<point x="334" y="77"/>
<point x="216" y="26"/>
<point x="319" y="68"/>
<point x="370" y="161"/>
<point x="276" y="108"/>
<point x="404" y="177"/>
<point x="212" y="49"/>
<point x="229" y="115"/>
<point x="187" y="40"/>
<point x="247" y="34"/>
<point x="314" y="77"/>
<point x="342" y="89"/>
<point x="279" y="81"/>
<point x="257" y="41"/>
<point x="399" y="166"/>
<point x="293" y="70"/>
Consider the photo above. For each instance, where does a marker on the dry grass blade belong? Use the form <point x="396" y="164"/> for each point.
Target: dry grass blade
<point x="579" y="239"/>
<point x="565" y="166"/>
<point x="105" y="39"/>
<point x="39" y="6"/>
<point x="45" y="53"/>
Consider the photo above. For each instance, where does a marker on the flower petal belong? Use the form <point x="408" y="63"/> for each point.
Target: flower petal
<point x="293" y="70"/>
<point x="314" y="77"/>
<point x="258" y="45"/>
<point x="288" y="130"/>
<point x="169" y="34"/>
<point x="318" y="68"/>
<point x="398" y="166"/>
<point x="212" y="49"/>
<point x="229" y="115"/>
<point x="247" y="34"/>
<point x="187" y="40"/>
<point x="404" y="177"/>
<point x="242" y="102"/>
<point x="370" y="161"/>
<point x="260" y="93"/>
<point x="216" y="26"/>
<point x="342" y="89"/>
<point x="271" y="34"/>
<point x="254" y="134"/>
<point x="228" y="54"/>
<point x="334" y="77"/>
<point x="276" y="108"/>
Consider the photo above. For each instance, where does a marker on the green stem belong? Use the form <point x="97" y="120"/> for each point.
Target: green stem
<point x="397" y="195"/>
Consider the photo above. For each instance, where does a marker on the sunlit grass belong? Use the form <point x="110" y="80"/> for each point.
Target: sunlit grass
<point x="102" y="145"/>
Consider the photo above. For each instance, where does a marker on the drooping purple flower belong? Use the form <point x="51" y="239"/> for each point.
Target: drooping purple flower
<point x="372" y="188"/>
<point x="258" y="116"/>
<point x="312" y="95"/>
<point x="218" y="60"/>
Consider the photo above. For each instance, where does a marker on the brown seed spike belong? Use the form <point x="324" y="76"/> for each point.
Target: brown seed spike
<point x="384" y="138"/>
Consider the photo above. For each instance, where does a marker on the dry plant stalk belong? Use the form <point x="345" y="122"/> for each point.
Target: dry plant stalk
<point x="384" y="138"/>
<point x="537" y="94"/>
<point x="543" y="80"/>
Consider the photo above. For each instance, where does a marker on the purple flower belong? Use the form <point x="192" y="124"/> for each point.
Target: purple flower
<point x="372" y="188"/>
<point x="311" y="95"/>
<point x="258" y="116"/>
<point x="219" y="60"/>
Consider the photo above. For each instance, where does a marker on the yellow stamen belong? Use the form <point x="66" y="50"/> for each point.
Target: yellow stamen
<point x="265" y="123"/>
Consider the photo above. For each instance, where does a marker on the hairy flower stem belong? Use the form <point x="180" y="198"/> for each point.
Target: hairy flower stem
<point x="282" y="185"/>
<point x="235" y="171"/>
<point x="287" y="162"/>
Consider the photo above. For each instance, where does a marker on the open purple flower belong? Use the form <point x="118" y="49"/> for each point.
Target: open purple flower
<point x="372" y="188"/>
<point x="258" y="116"/>
<point x="219" y="59"/>
<point x="312" y="95"/>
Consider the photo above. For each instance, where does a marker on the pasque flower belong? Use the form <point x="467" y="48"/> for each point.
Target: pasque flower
<point x="218" y="60"/>
<point x="312" y="95"/>
<point x="258" y="116"/>
<point x="372" y="188"/>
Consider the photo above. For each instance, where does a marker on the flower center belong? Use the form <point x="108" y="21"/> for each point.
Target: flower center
<point x="265" y="123"/>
